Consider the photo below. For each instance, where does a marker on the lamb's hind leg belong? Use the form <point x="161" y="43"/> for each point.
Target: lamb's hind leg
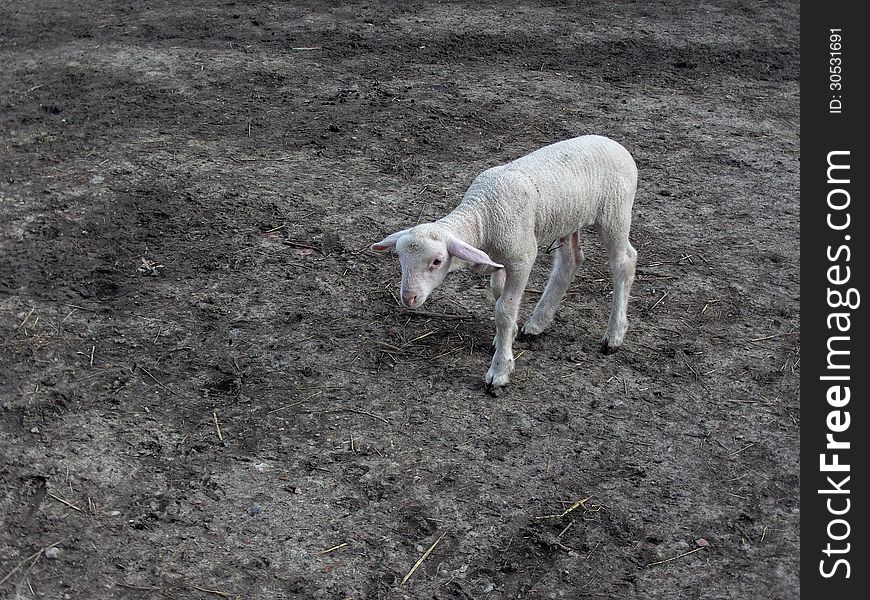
<point x="622" y="258"/>
<point x="568" y="259"/>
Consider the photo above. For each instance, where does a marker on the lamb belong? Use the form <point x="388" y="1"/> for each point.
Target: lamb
<point x="506" y="213"/>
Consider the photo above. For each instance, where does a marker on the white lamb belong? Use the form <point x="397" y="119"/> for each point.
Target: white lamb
<point x="507" y="212"/>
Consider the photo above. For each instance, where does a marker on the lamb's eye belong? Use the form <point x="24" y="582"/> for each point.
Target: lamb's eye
<point x="437" y="262"/>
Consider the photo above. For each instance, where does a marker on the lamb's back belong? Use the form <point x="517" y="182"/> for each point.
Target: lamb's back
<point x="568" y="183"/>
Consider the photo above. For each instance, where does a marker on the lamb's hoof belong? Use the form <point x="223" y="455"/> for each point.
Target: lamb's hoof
<point x="530" y="330"/>
<point x="495" y="380"/>
<point x="525" y="336"/>
<point x="607" y="348"/>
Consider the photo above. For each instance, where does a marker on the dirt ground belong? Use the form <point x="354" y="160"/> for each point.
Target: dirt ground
<point x="208" y="389"/>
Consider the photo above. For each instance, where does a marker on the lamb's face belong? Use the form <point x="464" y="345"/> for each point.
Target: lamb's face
<point x="425" y="262"/>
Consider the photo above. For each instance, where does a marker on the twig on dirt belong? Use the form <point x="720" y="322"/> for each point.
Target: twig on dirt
<point x="264" y="158"/>
<point x="25" y="577"/>
<point x="763" y="533"/>
<point x="724" y="447"/>
<point x="667" y="560"/>
<point x="421" y="559"/>
<point x="746" y="447"/>
<point x="420" y="337"/>
<point x="217" y="426"/>
<point x="93" y="349"/>
<point x="392" y="355"/>
<point x="593" y="550"/>
<point x="423" y="208"/>
<point x="390" y="347"/>
<point x="62" y="501"/>
<point x="32" y="557"/>
<point x="78" y="307"/>
<point x="304" y="48"/>
<point x="149" y="266"/>
<point x="659" y="301"/>
<point x="567" y="527"/>
<point x="776" y="335"/>
<point x="328" y="550"/>
<point x="360" y="412"/>
<point x="303" y="401"/>
<point x="422" y="313"/>
<point x="32" y="308"/>
<point x="300" y="245"/>
<point x="567" y="510"/>
<point x="707" y="305"/>
<point x="447" y="353"/>
<point x="356" y="357"/>
<point x="276" y="228"/>
<point x="148" y="373"/>
<point x="215" y="592"/>
<point x="396" y="299"/>
<point x="743" y="531"/>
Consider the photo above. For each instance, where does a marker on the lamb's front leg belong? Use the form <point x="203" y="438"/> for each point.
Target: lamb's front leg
<point x="506" y="310"/>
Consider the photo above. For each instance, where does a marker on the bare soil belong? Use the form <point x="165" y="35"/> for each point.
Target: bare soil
<point x="208" y="390"/>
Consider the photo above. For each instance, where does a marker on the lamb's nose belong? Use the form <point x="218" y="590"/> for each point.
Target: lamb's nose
<point x="409" y="300"/>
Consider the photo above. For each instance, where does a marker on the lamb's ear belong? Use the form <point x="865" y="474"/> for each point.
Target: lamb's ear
<point x="460" y="249"/>
<point x="389" y="241"/>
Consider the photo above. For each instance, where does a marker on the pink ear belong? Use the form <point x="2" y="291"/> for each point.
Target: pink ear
<point x="389" y="241"/>
<point x="460" y="249"/>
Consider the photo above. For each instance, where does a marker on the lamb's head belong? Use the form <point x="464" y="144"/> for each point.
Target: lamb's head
<point x="426" y="253"/>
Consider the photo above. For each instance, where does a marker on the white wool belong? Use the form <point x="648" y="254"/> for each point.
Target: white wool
<point x="507" y="212"/>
